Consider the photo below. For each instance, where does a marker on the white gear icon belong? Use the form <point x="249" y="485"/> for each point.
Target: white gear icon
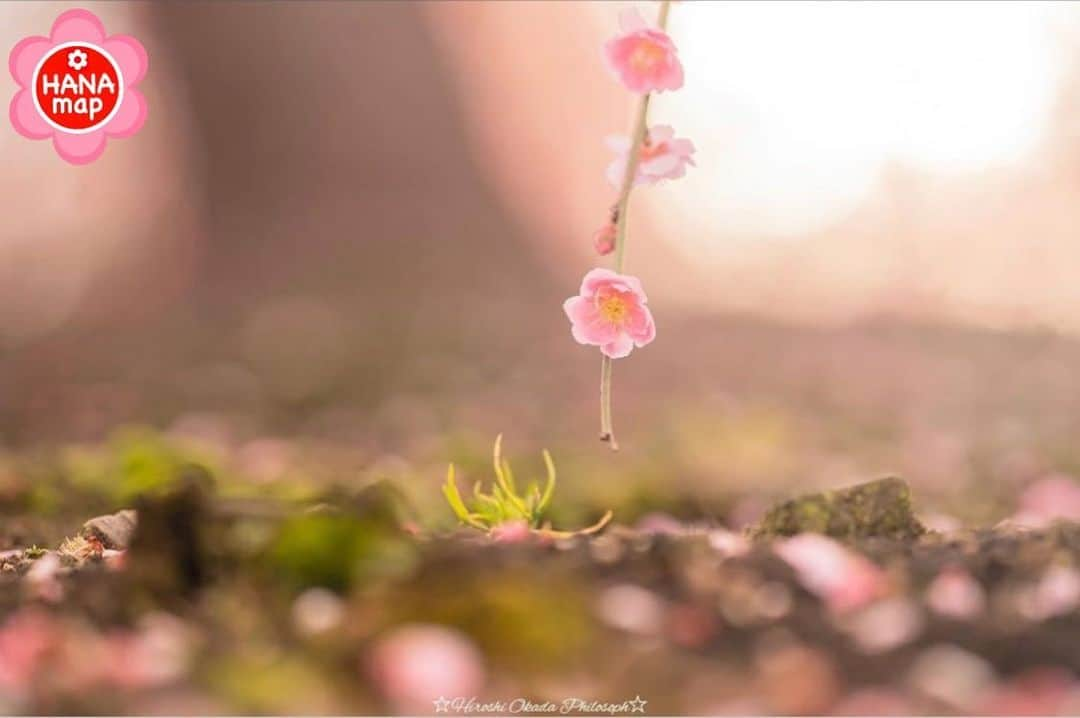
<point x="77" y="60"/>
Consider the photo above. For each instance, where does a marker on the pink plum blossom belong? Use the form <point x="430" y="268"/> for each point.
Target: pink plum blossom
<point x="419" y="663"/>
<point x="604" y="239"/>
<point x="1048" y="499"/>
<point x="954" y="593"/>
<point x="643" y="57"/>
<point x="842" y="578"/>
<point x="610" y="312"/>
<point x="78" y="26"/>
<point x="663" y="156"/>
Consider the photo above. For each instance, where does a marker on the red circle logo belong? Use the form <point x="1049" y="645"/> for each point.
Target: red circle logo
<point x="77" y="87"/>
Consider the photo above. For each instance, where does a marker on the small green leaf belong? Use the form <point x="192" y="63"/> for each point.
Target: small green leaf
<point x="549" y="489"/>
<point x="504" y="478"/>
<point x="509" y="474"/>
<point x="450" y="490"/>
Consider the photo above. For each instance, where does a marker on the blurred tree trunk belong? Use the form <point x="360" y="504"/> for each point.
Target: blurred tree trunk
<point x="336" y="161"/>
<point x="332" y="167"/>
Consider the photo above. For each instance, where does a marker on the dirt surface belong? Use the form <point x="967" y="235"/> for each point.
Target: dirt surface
<point x="216" y="606"/>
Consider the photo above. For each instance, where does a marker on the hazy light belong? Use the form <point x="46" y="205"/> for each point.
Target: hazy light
<point x="796" y="107"/>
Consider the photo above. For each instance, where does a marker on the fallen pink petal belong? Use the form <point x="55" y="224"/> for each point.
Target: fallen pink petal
<point x="843" y="579"/>
<point x="954" y="593"/>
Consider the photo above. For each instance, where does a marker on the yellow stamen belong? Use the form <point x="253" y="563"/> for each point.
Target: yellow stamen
<point x="646" y="56"/>
<point x="613" y="308"/>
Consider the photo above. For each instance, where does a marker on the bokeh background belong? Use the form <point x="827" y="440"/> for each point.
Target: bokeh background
<point x="342" y="240"/>
<point x="334" y="260"/>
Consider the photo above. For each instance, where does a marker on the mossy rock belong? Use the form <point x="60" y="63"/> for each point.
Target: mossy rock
<point x="880" y="508"/>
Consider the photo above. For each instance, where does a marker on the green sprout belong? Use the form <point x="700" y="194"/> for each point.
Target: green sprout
<point x="504" y="504"/>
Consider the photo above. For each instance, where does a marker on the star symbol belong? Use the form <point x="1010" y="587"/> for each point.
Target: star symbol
<point x="441" y="704"/>
<point x="638" y="704"/>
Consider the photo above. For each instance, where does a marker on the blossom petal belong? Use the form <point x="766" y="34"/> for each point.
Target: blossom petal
<point x="618" y="348"/>
<point x="683" y="146"/>
<point x="641" y="328"/>
<point x="673" y="78"/>
<point x="586" y="324"/>
<point x="77" y="26"/>
<point x="595" y="278"/>
<point x="79" y="149"/>
<point x="661" y="133"/>
<point x="663" y="166"/>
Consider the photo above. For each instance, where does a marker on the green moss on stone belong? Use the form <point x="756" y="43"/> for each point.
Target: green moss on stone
<point x="879" y="508"/>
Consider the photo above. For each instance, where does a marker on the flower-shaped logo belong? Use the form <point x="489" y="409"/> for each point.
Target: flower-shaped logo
<point x="77" y="60"/>
<point x="77" y="86"/>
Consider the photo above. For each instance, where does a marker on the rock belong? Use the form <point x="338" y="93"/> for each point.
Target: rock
<point x="168" y="555"/>
<point x="114" y="531"/>
<point x="879" y="508"/>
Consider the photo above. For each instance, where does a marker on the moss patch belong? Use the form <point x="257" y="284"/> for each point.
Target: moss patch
<point x="880" y="508"/>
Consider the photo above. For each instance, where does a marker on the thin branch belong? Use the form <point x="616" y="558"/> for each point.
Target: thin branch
<point x="620" y="212"/>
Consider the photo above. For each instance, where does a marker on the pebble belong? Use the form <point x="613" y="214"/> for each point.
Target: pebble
<point x="113" y="530"/>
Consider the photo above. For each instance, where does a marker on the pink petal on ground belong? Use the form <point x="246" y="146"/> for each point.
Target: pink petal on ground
<point x="25" y="118"/>
<point x="130" y="55"/>
<point x="728" y="543"/>
<point x="25" y="56"/>
<point x="1056" y="594"/>
<point x="24" y="639"/>
<point x="511" y="532"/>
<point x="1051" y="498"/>
<point x="1040" y="691"/>
<point x="77" y="25"/>
<point x="43" y="578"/>
<point x="130" y="117"/>
<point x="886" y="625"/>
<point x="660" y="523"/>
<point x="631" y="608"/>
<point x="954" y="593"/>
<point x="842" y="578"/>
<point x="79" y="149"/>
<point x="418" y="663"/>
